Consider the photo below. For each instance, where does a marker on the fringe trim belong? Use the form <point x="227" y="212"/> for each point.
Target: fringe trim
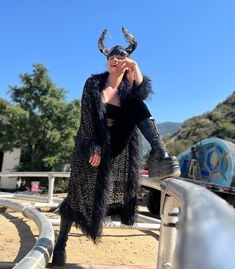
<point x="101" y="197"/>
<point x="88" y="147"/>
<point x="80" y="221"/>
<point x="93" y="228"/>
<point x="142" y="91"/>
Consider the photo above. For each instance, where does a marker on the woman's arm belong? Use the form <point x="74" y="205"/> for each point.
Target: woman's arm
<point x="142" y="86"/>
<point x="134" y="73"/>
<point x="87" y="140"/>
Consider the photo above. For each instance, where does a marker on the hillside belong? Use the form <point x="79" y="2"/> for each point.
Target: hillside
<point x="220" y="122"/>
<point x="168" y="128"/>
<point x="165" y="128"/>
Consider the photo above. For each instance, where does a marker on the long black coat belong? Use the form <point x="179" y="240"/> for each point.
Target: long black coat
<point x="111" y="187"/>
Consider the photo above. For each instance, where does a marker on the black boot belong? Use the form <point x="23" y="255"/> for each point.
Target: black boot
<point x="161" y="165"/>
<point x="59" y="254"/>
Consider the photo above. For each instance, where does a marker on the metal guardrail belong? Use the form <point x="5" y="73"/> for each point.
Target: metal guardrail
<point x="51" y="180"/>
<point x="40" y="254"/>
<point x="197" y="227"/>
<point x="51" y="201"/>
<point x="197" y="230"/>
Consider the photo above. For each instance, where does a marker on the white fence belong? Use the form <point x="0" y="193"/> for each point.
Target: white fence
<point x="51" y="176"/>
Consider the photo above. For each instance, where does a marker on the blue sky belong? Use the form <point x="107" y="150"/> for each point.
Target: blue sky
<point x="186" y="47"/>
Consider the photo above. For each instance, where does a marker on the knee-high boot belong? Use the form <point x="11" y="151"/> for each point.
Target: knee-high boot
<point x="161" y="165"/>
<point x="59" y="254"/>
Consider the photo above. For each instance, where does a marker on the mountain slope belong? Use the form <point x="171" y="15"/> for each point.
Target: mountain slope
<point x="220" y="122"/>
<point x="165" y="128"/>
<point x="168" y="128"/>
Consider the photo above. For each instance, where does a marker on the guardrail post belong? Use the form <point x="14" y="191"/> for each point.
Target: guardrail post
<point x="168" y="234"/>
<point x="51" y="182"/>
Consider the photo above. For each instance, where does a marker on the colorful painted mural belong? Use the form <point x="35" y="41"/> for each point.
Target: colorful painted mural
<point x="215" y="159"/>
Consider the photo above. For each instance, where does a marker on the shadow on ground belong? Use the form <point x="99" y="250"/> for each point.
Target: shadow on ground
<point x="27" y="239"/>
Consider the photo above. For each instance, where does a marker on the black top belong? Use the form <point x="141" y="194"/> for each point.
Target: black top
<point x="112" y="111"/>
<point x="125" y="118"/>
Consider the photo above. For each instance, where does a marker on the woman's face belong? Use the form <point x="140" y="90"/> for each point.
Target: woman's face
<point x="116" y="64"/>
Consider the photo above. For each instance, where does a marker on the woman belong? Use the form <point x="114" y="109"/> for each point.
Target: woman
<point x="105" y="163"/>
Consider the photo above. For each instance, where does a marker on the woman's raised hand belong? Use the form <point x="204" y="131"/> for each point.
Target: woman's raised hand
<point x="133" y="70"/>
<point x="130" y="63"/>
<point x="130" y="75"/>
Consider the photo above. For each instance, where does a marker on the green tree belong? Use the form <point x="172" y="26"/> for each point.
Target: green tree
<point x="11" y="120"/>
<point x="41" y="123"/>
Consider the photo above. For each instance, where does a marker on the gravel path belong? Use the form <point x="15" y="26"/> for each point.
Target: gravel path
<point x="117" y="247"/>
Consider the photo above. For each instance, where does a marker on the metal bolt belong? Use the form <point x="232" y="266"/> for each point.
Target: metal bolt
<point x="174" y="214"/>
<point x="170" y="224"/>
<point x="166" y="265"/>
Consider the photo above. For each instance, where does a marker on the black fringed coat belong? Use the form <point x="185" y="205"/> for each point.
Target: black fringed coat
<point x="110" y="188"/>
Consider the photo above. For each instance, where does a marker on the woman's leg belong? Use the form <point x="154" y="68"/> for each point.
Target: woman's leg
<point x="160" y="165"/>
<point x="59" y="254"/>
<point x="135" y="112"/>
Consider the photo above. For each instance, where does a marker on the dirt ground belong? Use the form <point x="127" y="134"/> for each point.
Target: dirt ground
<point x="117" y="247"/>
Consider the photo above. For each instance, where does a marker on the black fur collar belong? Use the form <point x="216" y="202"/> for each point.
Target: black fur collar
<point x="140" y="92"/>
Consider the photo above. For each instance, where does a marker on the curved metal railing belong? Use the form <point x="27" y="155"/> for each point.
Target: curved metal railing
<point x="197" y="228"/>
<point x="40" y="254"/>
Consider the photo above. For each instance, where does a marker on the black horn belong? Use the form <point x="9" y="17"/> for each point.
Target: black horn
<point x="118" y="49"/>
<point x="101" y="43"/>
<point x="131" y="39"/>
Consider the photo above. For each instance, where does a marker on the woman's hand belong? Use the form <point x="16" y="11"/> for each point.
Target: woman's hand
<point x="130" y="63"/>
<point x="130" y="75"/>
<point x="95" y="159"/>
<point x="133" y="71"/>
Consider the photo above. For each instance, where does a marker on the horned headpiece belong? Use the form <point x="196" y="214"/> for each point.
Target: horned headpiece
<point x="118" y="50"/>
